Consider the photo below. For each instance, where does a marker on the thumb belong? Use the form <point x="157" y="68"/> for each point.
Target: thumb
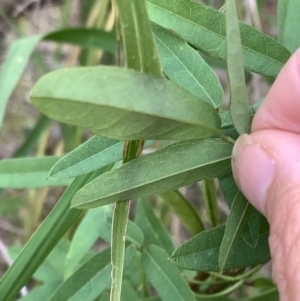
<point x="266" y="166"/>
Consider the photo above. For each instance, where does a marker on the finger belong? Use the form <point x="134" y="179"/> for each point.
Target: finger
<point x="281" y="107"/>
<point x="266" y="165"/>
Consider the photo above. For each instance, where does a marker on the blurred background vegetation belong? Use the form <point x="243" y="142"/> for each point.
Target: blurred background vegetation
<point x="22" y="211"/>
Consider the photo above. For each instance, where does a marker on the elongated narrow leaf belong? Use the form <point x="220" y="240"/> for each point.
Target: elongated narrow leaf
<point x="251" y="231"/>
<point x="184" y="210"/>
<point x="90" y="98"/>
<point x="28" y="173"/>
<point x="201" y="252"/>
<point x="95" y="153"/>
<point x="204" y="27"/>
<point x="154" y="230"/>
<point x="240" y="213"/>
<point x="164" y="276"/>
<point x="84" y="37"/>
<point x="288" y="15"/>
<point x="43" y="241"/>
<point x="239" y="104"/>
<point x="13" y="67"/>
<point x="85" y="236"/>
<point x="169" y="168"/>
<point x="91" y="279"/>
<point x="185" y="66"/>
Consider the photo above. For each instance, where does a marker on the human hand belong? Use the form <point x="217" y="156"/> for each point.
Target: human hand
<point x="266" y="166"/>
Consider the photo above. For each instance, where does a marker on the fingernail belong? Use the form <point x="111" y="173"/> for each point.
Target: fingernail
<point x="253" y="170"/>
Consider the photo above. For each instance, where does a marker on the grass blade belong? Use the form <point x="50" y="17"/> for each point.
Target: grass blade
<point x="13" y="67"/>
<point x="28" y="173"/>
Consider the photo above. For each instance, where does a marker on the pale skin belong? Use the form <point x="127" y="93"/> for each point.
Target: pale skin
<point x="266" y="166"/>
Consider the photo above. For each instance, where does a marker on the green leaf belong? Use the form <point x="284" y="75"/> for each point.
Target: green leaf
<point x="240" y="213"/>
<point x="166" y="169"/>
<point x="185" y="66"/>
<point x="43" y="241"/>
<point x="288" y="21"/>
<point x="134" y="234"/>
<point x="128" y="292"/>
<point x="85" y="236"/>
<point x="95" y="153"/>
<point x="228" y="188"/>
<point x="201" y="252"/>
<point x="204" y="28"/>
<point x="251" y="232"/>
<point x="154" y="230"/>
<point x="164" y="276"/>
<point x="183" y="210"/>
<point x="13" y="67"/>
<point x="85" y="37"/>
<point x="28" y="173"/>
<point x="239" y="104"/>
<point x="164" y="110"/>
<point x="91" y="279"/>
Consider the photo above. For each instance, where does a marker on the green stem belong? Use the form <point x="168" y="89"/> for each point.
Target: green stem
<point x="132" y="149"/>
<point x="211" y="201"/>
<point x="236" y="278"/>
<point x="222" y="293"/>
